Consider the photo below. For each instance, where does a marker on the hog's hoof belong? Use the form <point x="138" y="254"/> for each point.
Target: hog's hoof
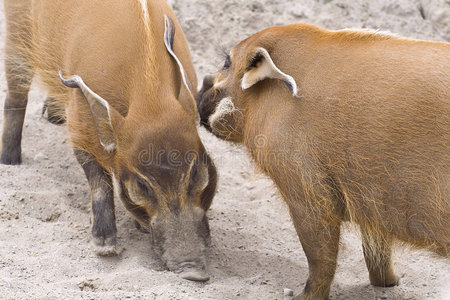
<point x="194" y="275"/>
<point x="140" y="228"/>
<point x="11" y="158"/>
<point x="54" y="115"/>
<point x="390" y="281"/>
<point x="108" y="251"/>
<point x="106" y="247"/>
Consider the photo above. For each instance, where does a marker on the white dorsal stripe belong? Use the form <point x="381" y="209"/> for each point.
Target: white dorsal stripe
<point x="144" y="6"/>
<point x="378" y="31"/>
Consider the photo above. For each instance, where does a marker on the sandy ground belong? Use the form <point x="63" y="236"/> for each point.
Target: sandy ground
<point x="45" y="250"/>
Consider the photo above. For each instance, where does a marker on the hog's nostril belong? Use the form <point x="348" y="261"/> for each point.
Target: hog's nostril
<point x="188" y="264"/>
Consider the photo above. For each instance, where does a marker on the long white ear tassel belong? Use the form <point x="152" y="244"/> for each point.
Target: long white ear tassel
<point x="169" y="33"/>
<point x="265" y="70"/>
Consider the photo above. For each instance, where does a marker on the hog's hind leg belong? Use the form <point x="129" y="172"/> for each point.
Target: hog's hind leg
<point x="377" y="253"/>
<point x="104" y="229"/>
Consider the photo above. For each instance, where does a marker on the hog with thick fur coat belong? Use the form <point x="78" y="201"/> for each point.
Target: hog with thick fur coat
<point x="351" y="126"/>
<point x="131" y="115"/>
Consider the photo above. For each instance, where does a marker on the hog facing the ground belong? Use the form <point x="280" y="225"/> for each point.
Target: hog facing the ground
<point x="131" y="115"/>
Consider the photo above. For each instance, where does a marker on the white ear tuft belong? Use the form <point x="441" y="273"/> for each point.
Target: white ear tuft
<point x="186" y="91"/>
<point x="265" y="68"/>
<point x="100" y="109"/>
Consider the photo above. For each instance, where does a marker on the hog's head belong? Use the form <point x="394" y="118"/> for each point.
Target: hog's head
<point x="168" y="190"/>
<point x="251" y="71"/>
<point x="160" y="168"/>
<point x="163" y="176"/>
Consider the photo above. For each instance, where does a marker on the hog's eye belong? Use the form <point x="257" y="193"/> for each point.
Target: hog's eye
<point x="144" y="187"/>
<point x="227" y="64"/>
<point x="199" y="179"/>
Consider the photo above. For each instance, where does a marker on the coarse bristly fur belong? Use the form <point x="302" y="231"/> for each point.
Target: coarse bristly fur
<point x="146" y="114"/>
<point x="367" y="140"/>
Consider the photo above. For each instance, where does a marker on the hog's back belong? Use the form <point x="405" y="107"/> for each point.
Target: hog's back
<point x="380" y="116"/>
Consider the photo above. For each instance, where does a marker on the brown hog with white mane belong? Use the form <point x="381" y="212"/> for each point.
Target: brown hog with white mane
<point x="351" y="126"/>
<point x="131" y="117"/>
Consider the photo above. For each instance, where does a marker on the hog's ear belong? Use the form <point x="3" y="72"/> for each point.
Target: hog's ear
<point x="186" y="88"/>
<point x="260" y="66"/>
<point x="101" y="111"/>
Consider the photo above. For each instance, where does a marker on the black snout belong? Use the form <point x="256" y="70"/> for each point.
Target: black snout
<point x="207" y="100"/>
<point x="208" y="83"/>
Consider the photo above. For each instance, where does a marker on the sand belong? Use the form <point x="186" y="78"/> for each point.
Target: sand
<point x="45" y="250"/>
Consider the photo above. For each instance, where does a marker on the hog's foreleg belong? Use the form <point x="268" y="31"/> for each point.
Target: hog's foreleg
<point x="104" y="229"/>
<point x="18" y="78"/>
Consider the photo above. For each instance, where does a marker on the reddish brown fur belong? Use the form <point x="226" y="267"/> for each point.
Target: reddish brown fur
<point x="367" y="140"/>
<point x="117" y="47"/>
<point x="122" y="72"/>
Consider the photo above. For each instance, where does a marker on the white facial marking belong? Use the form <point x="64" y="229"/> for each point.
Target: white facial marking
<point x="220" y="84"/>
<point x="225" y="106"/>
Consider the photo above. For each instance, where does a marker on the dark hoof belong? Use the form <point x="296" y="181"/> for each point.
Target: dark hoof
<point x="389" y="282"/>
<point x="106" y="247"/>
<point x="108" y="251"/>
<point x="11" y="158"/>
<point x="140" y="228"/>
<point x="54" y="114"/>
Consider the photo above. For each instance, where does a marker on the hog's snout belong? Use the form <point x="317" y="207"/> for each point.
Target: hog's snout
<point x="191" y="272"/>
<point x="208" y="81"/>
<point x="180" y="240"/>
<point x="207" y="100"/>
<point x="190" y="269"/>
<point x="195" y="275"/>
